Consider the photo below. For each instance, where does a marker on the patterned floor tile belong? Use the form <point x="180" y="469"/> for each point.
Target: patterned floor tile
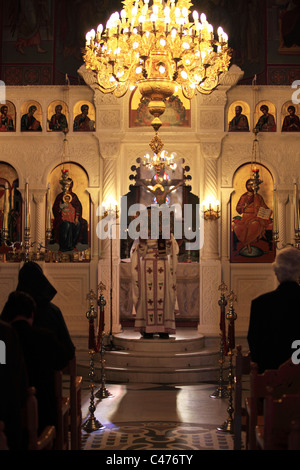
<point x="156" y="435"/>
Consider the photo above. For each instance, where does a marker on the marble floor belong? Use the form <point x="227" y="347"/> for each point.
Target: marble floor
<point x="151" y="417"/>
<point x="156" y="417"/>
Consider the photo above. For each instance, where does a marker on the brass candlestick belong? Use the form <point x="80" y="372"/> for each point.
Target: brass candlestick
<point x="231" y="316"/>
<point x="92" y="424"/>
<point x="6" y="210"/>
<point x="26" y="222"/>
<point x="102" y="392"/>
<point x="26" y="243"/>
<point x="221" y="391"/>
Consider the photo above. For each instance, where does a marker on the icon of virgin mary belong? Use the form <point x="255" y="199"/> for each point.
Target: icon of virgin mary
<point x="69" y="227"/>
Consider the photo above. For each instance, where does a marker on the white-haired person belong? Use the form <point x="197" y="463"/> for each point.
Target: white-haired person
<point x="275" y="316"/>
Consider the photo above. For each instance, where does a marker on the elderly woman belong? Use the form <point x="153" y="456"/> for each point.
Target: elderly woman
<point x="275" y="316"/>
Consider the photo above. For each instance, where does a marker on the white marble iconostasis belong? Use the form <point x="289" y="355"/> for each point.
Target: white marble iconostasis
<point x="106" y="155"/>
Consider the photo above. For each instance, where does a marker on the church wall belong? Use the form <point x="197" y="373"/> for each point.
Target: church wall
<point x="213" y="154"/>
<point x="34" y="155"/>
<point x="279" y="153"/>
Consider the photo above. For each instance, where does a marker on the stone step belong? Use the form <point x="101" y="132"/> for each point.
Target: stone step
<point x="152" y="374"/>
<point x="161" y="375"/>
<point x="161" y="358"/>
<point x="160" y="345"/>
<point x="180" y="359"/>
<point x="184" y="340"/>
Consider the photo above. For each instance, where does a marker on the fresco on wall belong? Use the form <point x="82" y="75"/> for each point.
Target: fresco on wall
<point x="27" y="42"/>
<point x="42" y="40"/>
<point x="284" y="26"/>
<point x="283" y="41"/>
<point x="251" y="216"/>
<point x="70" y="209"/>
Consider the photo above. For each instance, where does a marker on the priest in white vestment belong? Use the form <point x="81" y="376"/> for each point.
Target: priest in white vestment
<point x="154" y="286"/>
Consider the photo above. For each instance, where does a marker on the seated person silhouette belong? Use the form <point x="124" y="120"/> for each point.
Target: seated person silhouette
<point x="43" y="354"/>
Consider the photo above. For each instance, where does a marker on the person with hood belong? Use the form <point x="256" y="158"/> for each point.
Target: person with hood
<point x="33" y="281"/>
<point x="43" y="354"/>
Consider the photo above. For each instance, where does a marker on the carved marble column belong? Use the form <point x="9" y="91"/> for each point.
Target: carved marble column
<point x="210" y="265"/>
<point x="109" y="153"/>
<point x="225" y="222"/>
<point x="108" y="268"/>
<point x="225" y="235"/>
<point x="109" y="275"/>
<point x="211" y="151"/>
<point x="282" y="199"/>
<point x="109" y="122"/>
<point x="210" y="279"/>
<point x="94" y="195"/>
<point x="39" y="234"/>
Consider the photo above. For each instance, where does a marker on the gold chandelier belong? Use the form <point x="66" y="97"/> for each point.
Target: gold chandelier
<point x="157" y="49"/>
<point x="161" y="161"/>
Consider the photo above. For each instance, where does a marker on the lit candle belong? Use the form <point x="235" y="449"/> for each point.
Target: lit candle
<point x="210" y="30"/>
<point x="275" y="223"/>
<point x="99" y="32"/>
<point x="153" y="19"/>
<point x="12" y="198"/>
<point x="296" y="206"/>
<point x="167" y="23"/>
<point x="48" y="210"/>
<point x="26" y="204"/>
<point x="5" y="211"/>
<point x="220" y="34"/>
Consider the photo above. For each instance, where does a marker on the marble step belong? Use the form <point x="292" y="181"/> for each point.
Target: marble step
<point x="184" y="339"/>
<point x="161" y="375"/>
<point x="154" y="361"/>
<point x="162" y="358"/>
<point x="173" y="344"/>
<point x="180" y="359"/>
<point x="167" y="375"/>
